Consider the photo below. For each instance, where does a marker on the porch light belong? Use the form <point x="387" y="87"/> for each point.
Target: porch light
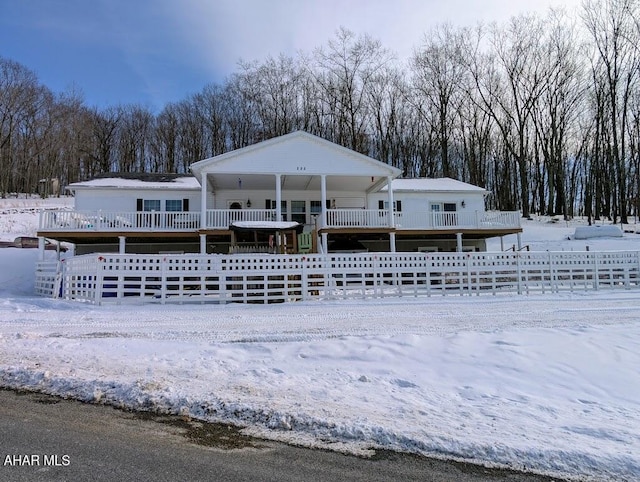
<point x="462" y="203"/>
<point x="248" y="203"/>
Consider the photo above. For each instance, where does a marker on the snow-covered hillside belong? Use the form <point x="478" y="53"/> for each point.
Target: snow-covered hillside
<point x="545" y="383"/>
<point x="19" y="216"/>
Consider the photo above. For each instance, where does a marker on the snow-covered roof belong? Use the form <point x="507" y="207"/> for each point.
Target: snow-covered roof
<point x="139" y="182"/>
<point x="442" y="184"/>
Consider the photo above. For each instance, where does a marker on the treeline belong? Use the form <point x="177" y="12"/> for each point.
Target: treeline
<point x="542" y="111"/>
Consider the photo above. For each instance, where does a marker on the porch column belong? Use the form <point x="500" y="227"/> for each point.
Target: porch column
<point x="459" y="242"/>
<point x="519" y="235"/>
<point x="392" y="242"/>
<point x="41" y="242"/>
<point x="323" y="200"/>
<point x="122" y="244"/>
<point x="278" y="198"/>
<point x="325" y="244"/>
<point x="203" y="244"/>
<point x="392" y="221"/>
<point x="203" y="202"/>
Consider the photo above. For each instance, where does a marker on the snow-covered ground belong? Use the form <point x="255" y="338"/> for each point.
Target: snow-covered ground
<point x="545" y="383"/>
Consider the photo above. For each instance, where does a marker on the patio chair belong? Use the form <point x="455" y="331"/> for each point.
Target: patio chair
<point x="305" y="243"/>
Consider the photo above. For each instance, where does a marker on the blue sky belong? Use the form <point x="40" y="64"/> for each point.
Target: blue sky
<point x="152" y="52"/>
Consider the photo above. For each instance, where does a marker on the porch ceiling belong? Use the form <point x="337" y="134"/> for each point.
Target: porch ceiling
<point x="258" y="182"/>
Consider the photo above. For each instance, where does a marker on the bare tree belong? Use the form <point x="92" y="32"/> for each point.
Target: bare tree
<point x="19" y="96"/>
<point x="614" y="32"/>
<point x="344" y="72"/>
<point x="510" y="81"/>
<point x="438" y="76"/>
<point x="555" y="114"/>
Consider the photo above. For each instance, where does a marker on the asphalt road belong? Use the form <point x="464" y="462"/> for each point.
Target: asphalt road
<point x="44" y="438"/>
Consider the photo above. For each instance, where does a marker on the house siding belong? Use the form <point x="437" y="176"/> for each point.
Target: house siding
<point x="125" y="200"/>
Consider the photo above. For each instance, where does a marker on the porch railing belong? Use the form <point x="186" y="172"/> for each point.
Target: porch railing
<point x="465" y="220"/>
<point x="223" y="218"/>
<point x="105" y="221"/>
<point x="368" y="218"/>
<point x="118" y="221"/>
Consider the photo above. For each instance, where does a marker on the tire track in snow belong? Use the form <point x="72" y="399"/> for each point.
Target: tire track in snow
<point x="315" y="320"/>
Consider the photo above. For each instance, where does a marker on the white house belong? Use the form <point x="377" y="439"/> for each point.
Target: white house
<point x="294" y="193"/>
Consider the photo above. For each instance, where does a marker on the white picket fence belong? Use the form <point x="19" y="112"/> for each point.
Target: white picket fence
<point x="268" y="278"/>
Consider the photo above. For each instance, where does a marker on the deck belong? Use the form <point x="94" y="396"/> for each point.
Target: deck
<point x="53" y="222"/>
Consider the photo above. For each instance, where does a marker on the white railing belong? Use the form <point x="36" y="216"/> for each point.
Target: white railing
<point x="499" y="219"/>
<point x="118" y="221"/>
<point x="464" y="220"/>
<point x="223" y="218"/>
<point x="265" y="278"/>
<point x="368" y="218"/>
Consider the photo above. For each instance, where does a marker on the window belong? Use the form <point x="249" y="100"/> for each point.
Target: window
<point x="173" y="205"/>
<point x="151" y="205"/>
<point x="315" y="207"/>
<point x="271" y="204"/>
<point x="450" y="207"/>
<point x="397" y="205"/>
<point x="299" y="211"/>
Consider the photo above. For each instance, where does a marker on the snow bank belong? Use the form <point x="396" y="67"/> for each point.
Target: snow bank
<point x="597" y="231"/>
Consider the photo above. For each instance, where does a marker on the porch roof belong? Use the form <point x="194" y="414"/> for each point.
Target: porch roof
<point x="442" y="184"/>
<point x="117" y="180"/>
<point x="299" y="158"/>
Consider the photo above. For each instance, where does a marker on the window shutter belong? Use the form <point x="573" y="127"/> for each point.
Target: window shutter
<point x="185" y="204"/>
<point x="138" y="204"/>
<point x="267" y="204"/>
<point x="328" y="204"/>
<point x="380" y="204"/>
<point x="399" y="206"/>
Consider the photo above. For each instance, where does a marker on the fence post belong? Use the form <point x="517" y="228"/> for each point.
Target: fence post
<point x="163" y="282"/>
<point x="98" y="282"/>
<point x="596" y="275"/>
<point x="427" y="269"/>
<point x="304" y="282"/>
<point x="627" y="275"/>
<point x="222" y="279"/>
<point x="552" y="283"/>
<point x="517" y="255"/>
<point x="325" y="275"/>
<point x="374" y="268"/>
<point x="469" y="284"/>
<point x="203" y="267"/>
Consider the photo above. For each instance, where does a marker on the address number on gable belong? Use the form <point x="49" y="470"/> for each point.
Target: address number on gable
<point x="301" y="168"/>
